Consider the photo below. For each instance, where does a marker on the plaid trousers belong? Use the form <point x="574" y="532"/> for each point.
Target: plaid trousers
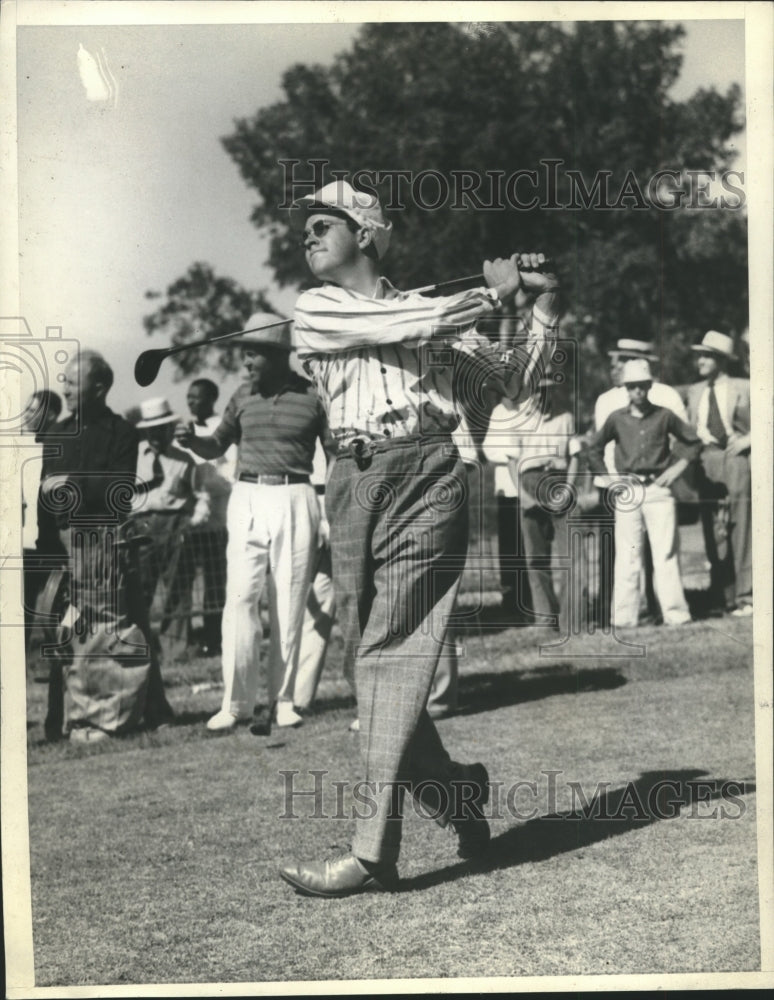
<point x="398" y="516"/>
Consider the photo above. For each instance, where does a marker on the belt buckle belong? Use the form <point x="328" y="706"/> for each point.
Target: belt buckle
<point x="361" y="450"/>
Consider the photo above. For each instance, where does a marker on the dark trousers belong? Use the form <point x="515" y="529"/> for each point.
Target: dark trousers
<point x="513" y="578"/>
<point x="542" y="532"/>
<point x="726" y="493"/>
<point x="205" y="550"/>
<point x="398" y="520"/>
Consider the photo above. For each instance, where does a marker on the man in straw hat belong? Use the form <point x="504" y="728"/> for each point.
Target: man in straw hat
<point x="275" y="418"/>
<point x="165" y="507"/>
<point x="397" y="505"/>
<point x="644" y="504"/>
<point x="719" y="408"/>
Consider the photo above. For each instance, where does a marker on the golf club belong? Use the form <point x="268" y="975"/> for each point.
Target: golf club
<point x="147" y="366"/>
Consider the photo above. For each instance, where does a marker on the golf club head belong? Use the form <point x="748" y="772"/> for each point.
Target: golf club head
<point x="147" y="366"/>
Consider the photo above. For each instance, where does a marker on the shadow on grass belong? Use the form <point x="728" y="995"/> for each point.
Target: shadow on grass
<point x="192" y="718"/>
<point x="702" y="605"/>
<point x="651" y="798"/>
<point x="485" y="691"/>
<point x="481" y="692"/>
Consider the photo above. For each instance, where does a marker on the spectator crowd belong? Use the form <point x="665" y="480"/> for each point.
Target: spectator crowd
<point x="135" y="530"/>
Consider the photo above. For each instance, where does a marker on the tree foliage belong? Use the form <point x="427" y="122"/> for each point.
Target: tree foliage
<point x="202" y="304"/>
<point x="593" y="96"/>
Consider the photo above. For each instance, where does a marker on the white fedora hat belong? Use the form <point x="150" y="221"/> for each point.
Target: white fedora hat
<point x="156" y="411"/>
<point x="716" y="343"/>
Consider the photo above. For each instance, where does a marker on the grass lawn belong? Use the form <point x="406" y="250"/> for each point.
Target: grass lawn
<point x="154" y="857"/>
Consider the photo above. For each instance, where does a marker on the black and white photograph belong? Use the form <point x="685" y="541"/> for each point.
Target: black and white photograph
<point x="386" y="439"/>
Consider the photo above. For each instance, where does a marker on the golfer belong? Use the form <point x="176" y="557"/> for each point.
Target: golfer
<point x="384" y="363"/>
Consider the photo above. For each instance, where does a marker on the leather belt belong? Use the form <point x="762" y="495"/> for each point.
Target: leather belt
<point x="273" y="480"/>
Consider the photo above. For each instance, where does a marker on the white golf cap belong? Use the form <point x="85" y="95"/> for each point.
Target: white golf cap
<point x="637" y="370"/>
<point x="340" y="196"/>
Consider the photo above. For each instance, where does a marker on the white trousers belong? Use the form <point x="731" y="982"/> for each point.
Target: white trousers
<point x="656" y="515"/>
<point x="269" y="528"/>
<point x="299" y="684"/>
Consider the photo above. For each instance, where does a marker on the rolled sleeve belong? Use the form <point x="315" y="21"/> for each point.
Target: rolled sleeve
<point x="331" y="319"/>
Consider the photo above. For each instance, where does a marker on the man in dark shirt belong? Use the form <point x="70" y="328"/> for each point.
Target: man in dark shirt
<point x="646" y="468"/>
<point x="97" y="449"/>
<point x="88" y="486"/>
<point x="275" y="418"/>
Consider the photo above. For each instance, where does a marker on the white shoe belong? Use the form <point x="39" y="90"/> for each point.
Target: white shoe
<point x="222" y="721"/>
<point x="287" y="715"/>
<point x="88" y="734"/>
<point x="743" y="612"/>
<point x="354" y="726"/>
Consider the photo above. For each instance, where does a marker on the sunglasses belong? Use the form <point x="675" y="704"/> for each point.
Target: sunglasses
<point x="319" y="229"/>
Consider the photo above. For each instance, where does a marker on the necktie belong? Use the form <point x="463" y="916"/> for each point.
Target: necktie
<point x="158" y="471"/>
<point x="714" y="421"/>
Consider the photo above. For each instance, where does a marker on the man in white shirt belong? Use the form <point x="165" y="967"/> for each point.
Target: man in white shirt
<point x="538" y="457"/>
<point x="504" y="423"/>
<point x="719" y="409"/>
<point x="164" y="509"/>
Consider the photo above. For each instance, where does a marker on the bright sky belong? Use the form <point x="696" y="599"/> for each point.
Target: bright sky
<point x="116" y="198"/>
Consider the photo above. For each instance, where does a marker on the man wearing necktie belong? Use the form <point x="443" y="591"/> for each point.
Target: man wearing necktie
<point x="719" y="408"/>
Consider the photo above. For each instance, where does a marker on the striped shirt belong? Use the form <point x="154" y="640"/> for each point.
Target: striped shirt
<point x="393" y="365"/>
<point x="276" y="434"/>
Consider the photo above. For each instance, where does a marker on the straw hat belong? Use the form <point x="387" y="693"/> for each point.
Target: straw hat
<point x="716" y="343"/>
<point x="635" y="348"/>
<point x="154" y="412"/>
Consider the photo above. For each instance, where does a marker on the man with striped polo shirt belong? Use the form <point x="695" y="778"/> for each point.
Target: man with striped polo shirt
<point x="275" y="419"/>
<point x="396" y="500"/>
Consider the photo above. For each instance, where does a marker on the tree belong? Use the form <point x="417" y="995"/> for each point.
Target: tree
<point x="591" y="97"/>
<point x="202" y="304"/>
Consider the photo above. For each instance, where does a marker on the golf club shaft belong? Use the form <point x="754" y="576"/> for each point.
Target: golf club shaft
<point x="459" y="281"/>
<point x="223" y="336"/>
<point x="446" y="284"/>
